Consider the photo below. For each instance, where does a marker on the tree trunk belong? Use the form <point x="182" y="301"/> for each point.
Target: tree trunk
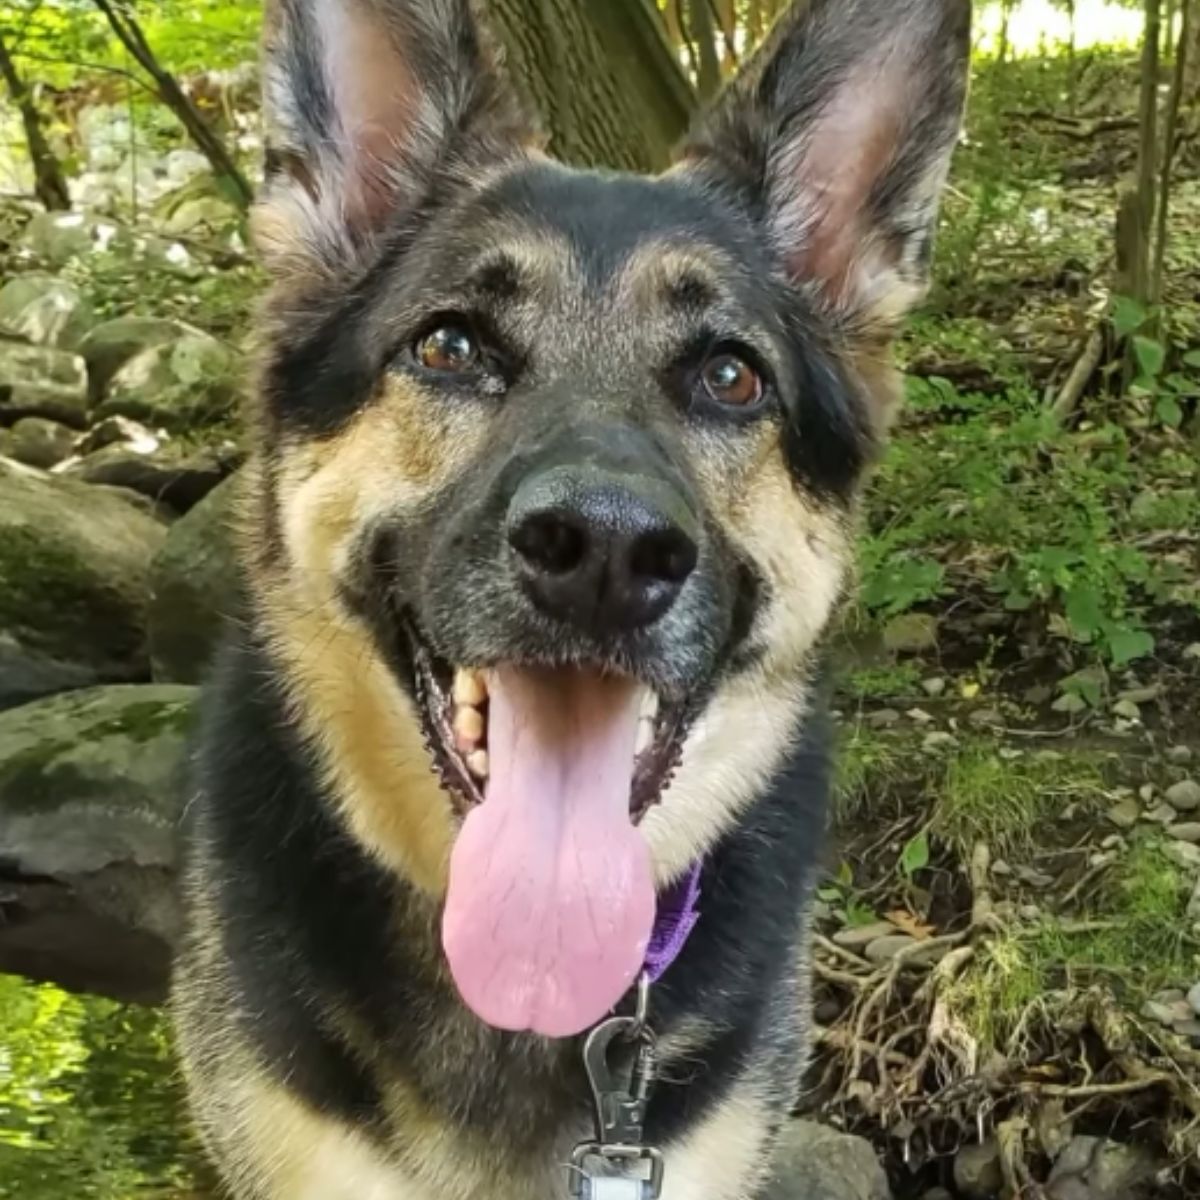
<point x="602" y="75"/>
<point x="1139" y="272"/>
<point x="49" y="183"/>
<point x="129" y="34"/>
<point x="1170" y="130"/>
<point x="703" y="32"/>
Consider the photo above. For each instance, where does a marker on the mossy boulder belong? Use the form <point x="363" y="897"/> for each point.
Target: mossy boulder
<point x="187" y="381"/>
<point x="195" y="588"/>
<point x="165" y="475"/>
<point x="45" y="310"/>
<point x="91" y="790"/>
<point x="37" y="442"/>
<point x="74" y="580"/>
<point x="37" y="381"/>
<point x="55" y="238"/>
<point x="110" y="345"/>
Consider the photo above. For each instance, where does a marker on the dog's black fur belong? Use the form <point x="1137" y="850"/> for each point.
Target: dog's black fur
<point x="327" y="1052"/>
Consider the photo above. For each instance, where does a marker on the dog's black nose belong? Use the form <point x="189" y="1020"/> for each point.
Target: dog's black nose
<point x="601" y="551"/>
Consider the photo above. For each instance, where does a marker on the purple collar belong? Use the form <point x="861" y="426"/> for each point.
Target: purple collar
<point x="677" y="917"/>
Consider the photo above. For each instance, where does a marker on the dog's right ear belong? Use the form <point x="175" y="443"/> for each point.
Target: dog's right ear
<point x="365" y="101"/>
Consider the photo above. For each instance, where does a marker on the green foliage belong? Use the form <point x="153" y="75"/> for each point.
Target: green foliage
<point x="90" y="1104"/>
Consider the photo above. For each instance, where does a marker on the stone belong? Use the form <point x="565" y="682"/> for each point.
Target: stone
<point x="1141" y="695"/>
<point x="1191" y="651"/>
<point x="108" y="346"/>
<point x="1125" y="813"/>
<point x="166" y="477"/>
<point x="1128" y="710"/>
<point x="1146" y="792"/>
<point x="184" y="164"/>
<point x="178" y="383"/>
<point x="1166" y="1013"/>
<point x="37" y="381"/>
<point x="45" y="311"/>
<point x="911" y="633"/>
<point x="1183" y="854"/>
<point x="74" y="581"/>
<point x="90" y="797"/>
<point x="882" y="718"/>
<point x="884" y="949"/>
<point x="1179" y="754"/>
<point x="57" y="237"/>
<point x="1193" y="999"/>
<point x="1185" y="831"/>
<point x="1160" y="814"/>
<point x="1183" y="796"/>
<point x="37" y="442"/>
<point x="986" y="718"/>
<point x="939" y="739"/>
<point x="855" y="937"/>
<point x="194" y="588"/>
<point x="1093" y="1168"/>
<point x="977" y="1171"/>
<point x="1070" y="703"/>
<point x="199" y="213"/>
<point x="814" y="1161"/>
<point x="934" y="687"/>
<point x="112" y="431"/>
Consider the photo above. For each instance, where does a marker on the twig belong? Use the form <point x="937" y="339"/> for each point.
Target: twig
<point x="1085" y="366"/>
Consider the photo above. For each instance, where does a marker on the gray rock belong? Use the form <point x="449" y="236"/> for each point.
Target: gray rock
<point x="855" y="937"/>
<point x="1070" y="703"/>
<point x="37" y="442"/>
<point x="1185" y="831"/>
<point x="884" y="949"/>
<point x="90" y="795"/>
<point x="1193" y="905"/>
<point x="1096" y="1169"/>
<point x="166" y="477"/>
<point x="1184" y="854"/>
<point x="977" y="1172"/>
<point x="74" y="580"/>
<point x="1128" y="710"/>
<point x="1193" y="999"/>
<point x="45" y="311"/>
<point x="57" y="237"/>
<point x="939" y="739"/>
<point x="36" y="381"/>
<point x="882" y="718"/>
<point x="178" y="383"/>
<point x="199" y="213"/>
<point x="113" y="431"/>
<point x="184" y="164"/>
<point x="109" y="346"/>
<point x="911" y="633"/>
<point x="1165" y="1012"/>
<point x="1179" y="754"/>
<point x="1184" y="796"/>
<point x="1125" y="813"/>
<point x="195" y="588"/>
<point x="1160" y="814"/>
<point x="813" y="1162"/>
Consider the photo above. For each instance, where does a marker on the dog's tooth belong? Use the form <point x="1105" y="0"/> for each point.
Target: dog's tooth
<point x="469" y="688"/>
<point x="645" y="734"/>
<point x="468" y="726"/>
<point x="477" y="764"/>
<point x="649" y="705"/>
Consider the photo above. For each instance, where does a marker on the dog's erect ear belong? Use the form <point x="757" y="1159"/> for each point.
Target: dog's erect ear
<point x="839" y="135"/>
<point x="364" y="101"/>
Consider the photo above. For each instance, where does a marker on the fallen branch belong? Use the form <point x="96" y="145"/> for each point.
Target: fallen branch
<point x="1076" y="382"/>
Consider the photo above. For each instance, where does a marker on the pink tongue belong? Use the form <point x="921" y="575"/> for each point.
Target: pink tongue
<point x="551" y="898"/>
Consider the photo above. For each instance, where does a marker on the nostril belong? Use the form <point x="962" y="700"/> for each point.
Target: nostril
<point x="550" y="541"/>
<point x="666" y="555"/>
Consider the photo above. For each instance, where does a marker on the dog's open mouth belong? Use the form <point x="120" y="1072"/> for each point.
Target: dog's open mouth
<point x="454" y="703"/>
<point x="551" y="899"/>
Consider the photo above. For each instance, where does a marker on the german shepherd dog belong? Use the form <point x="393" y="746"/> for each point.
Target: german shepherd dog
<point x="551" y="502"/>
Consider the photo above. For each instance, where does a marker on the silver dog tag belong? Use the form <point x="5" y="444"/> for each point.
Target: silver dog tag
<point x="608" y="1187"/>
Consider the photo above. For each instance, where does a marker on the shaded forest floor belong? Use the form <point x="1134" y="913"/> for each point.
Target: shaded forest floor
<point x="1011" y="923"/>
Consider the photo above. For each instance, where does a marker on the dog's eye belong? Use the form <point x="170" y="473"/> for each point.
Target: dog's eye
<point x="731" y="380"/>
<point x="449" y="349"/>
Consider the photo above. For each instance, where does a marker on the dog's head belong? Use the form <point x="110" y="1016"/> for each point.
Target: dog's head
<point x="556" y="467"/>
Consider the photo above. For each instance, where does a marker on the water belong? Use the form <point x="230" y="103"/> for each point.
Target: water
<point x="91" y="1104"/>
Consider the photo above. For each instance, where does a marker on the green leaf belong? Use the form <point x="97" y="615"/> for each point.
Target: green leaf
<point x="1084" y="608"/>
<point x="1126" y="644"/>
<point x="1150" y="355"/>
<point x="915" y="855"/>
<point x="1167" y="410"/>
<point x="1128" y="316"/>
<point x="1192" y="358"/>
<point x="859" y="914"/>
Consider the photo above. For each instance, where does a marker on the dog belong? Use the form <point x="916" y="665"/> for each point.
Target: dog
<point x="551" y="502"/>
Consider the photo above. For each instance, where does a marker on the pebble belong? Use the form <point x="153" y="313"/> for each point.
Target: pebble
<point x="1185" y="831"/>
<point x="1071" y="704"/>
<point x="1146" y="792"/>
<point x="1193" y="999"/>
<point x="1188" y="1029"/>
<point x="1179" y="754"/>
<point x="939" y="739"/>
<point x="1114" y="841"/>
<point x="920" y="716"/>
<point x="854" y="937"/>
<point x="1160" y="814"/>
<point x="977" y="1171"/>
<point x="1183" y="854"/>
<point x="934" y="687"/>
<point x="1167" y="1014"/>
<point x="881" y="718"/>
<point x="1141" y="695"/>
<point x="1192" y="651"/>
<point x="1128" y="710"/>
<point x="884" y="949"/>
<point x="1184" y="795"/>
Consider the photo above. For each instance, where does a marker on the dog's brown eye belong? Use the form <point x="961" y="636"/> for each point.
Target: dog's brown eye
<point x="449" y="348"/>
<point x="731" y="380"/>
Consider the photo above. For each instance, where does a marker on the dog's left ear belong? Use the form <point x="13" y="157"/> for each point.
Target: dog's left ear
<point x="838" y="137"/>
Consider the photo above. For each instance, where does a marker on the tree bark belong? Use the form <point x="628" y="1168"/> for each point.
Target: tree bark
<point x="49" y="182"/>
<point x="602" y="75"/>
<point x="1139" y="273"/>
<point x="703" y="33"/>
<point x="127" y="31"/>
<point x="1170" y="130"/>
